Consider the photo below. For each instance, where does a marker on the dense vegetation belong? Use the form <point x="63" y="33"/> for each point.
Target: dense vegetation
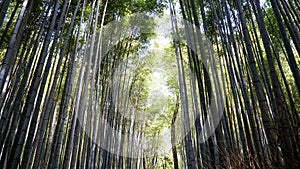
<point x="149" y="84"/>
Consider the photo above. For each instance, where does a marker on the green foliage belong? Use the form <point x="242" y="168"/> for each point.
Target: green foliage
<point x="152" y="6"/>
<point x="273" y="28"/>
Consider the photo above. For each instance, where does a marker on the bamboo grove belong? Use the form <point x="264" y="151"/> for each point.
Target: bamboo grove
<point x="74" y="84"/>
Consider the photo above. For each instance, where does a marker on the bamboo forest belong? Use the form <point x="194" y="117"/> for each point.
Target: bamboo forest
<point x="149" y="84"/>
